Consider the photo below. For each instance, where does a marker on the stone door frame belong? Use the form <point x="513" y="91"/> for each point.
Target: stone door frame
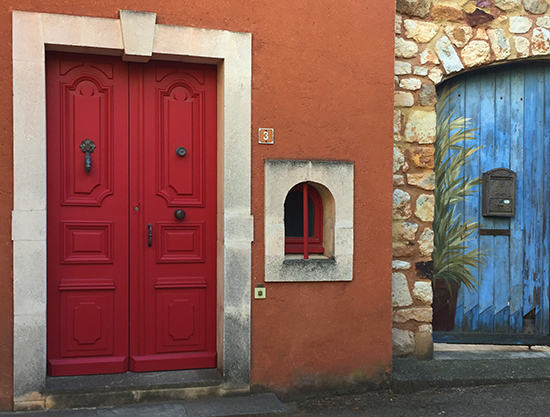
<point x="135" y="37"/>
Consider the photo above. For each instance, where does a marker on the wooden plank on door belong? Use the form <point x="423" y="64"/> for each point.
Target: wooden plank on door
<point x="489" y="153"/>
<point x="472" y="109"/>
<point x="545" y="310"/>
<point x="500" y="250"/>
<point x="533" y="190"/>
<point x="458" y="96"/>
<point x="516" y="224"/>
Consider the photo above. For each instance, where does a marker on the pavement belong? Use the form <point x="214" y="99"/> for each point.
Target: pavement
<point x="509" y="400"/>
<point x="462" y="380"/>
<point x="259" y="405"/>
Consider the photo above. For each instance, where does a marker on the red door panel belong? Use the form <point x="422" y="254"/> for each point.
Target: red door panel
<point x="87" y="215"/>
<point x="111" y="296"/>
<point x="176" y="304"/>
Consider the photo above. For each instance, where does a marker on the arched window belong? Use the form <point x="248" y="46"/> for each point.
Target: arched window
<point x="304" y="220"/>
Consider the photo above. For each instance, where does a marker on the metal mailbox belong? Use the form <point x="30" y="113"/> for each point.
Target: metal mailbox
<point x="498" y="193"/>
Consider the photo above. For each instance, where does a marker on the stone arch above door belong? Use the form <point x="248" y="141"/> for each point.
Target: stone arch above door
<point x="435" y="40"/>
<point x="33" y="33"/>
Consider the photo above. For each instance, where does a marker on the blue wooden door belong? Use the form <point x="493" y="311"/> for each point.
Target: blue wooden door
<point x="509" y="106"/>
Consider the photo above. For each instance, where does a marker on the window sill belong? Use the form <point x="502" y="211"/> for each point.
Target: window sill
<point x="318" y="268"/>
<point x="291" y="258"/>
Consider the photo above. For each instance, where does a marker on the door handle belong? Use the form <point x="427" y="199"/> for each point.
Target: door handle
<point x="87" y="147"/>
<point x="150" y="235"/>
<point x="179" y="214"/>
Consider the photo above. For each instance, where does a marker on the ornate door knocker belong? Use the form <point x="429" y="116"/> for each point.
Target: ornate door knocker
<point x="87" y="147"/>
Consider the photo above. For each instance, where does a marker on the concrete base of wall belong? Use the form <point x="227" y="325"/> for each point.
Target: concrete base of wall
<point x="323" y="384"/>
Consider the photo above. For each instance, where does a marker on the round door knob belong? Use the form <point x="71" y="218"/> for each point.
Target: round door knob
<point x="179" y="214"/>
<point x="181" y="151"/>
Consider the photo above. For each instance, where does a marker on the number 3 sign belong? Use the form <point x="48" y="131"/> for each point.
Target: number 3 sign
<point x="266" y="136"/>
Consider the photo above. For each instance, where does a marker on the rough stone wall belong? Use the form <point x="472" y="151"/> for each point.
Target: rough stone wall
<point x="435" y="39"/>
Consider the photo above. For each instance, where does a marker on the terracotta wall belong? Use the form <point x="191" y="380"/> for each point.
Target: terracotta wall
<point x="322" y="78"/>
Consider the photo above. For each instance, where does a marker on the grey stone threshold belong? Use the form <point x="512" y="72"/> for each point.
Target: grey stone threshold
<point x="130" y="388"/>
<point x="134" y="380"/>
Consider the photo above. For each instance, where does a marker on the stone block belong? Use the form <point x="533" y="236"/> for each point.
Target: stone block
<point x="138" y="32"/>
<point x="397" y="117"/>
<point x="421" y="71"/>
<point x="428" y="95"/>
<point x="28" y="225"/>
<point x="544" y="22"/>
<point x="422" y="290"/>
<point x="436" y="75"/>
<point x="405" y="49"/>
<point x="29" y="286"/>
<point x="520" y="24"/>
<point x="507" y="5"/>
<point x="403" y="342"/>
<point x="421" y="156"/>
<point x="398" y="21"/>
<point x="478" y="17"/>
<point x="404" y="232"/>
<point x="398" y="159"/>
<point x="428" y="57"/>
<point x="448" y="55"/>
<point x="400" y="265"/>
<point x="499" y="43"/>
<point x="535" y="6"/>
<point x="426" y="239"/>
<point x="476" y="53"/>
<point x="425" y="208"/>
<point x="522" y="46"/>
<point x="24" y="45"/>
<point x="418" y="8"/>
<point x="403" y="99"/>
<point x="540" y="41"/>
<point x="447" y="14"/>
<point x="410" y="84"/>
<point x="402" y="68"/>
<point x="398" y="180"/>
<point x="426" y="180"/>
<point x="421" y="32"/>
<point x="420" y="127"/>
<point x="401" y="205"/>
<point x="423" y="346"/>
<point x="459" y="35"/>
<point x="401" y="296"/>
<point x="421" y="315"/>
<point x="481" y="34"/>
<point x="29" y="131"/>
<point x="399" y="250"/>
<point x="29" y="348"/>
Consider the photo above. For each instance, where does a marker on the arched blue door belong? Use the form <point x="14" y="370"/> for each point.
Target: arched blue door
<point x="510" y="107"/>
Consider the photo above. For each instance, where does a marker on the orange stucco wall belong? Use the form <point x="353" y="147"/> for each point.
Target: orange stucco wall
<point x="323" y="79"/>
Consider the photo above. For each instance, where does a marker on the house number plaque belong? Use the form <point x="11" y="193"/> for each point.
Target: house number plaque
<point x="266" y="136"/>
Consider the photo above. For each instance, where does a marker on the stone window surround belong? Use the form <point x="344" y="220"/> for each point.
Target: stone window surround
<point x="136" y="37"/>
<point x="334" y="181"/>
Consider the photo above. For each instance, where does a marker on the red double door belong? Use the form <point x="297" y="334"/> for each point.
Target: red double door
<point x="131" y="222"/>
